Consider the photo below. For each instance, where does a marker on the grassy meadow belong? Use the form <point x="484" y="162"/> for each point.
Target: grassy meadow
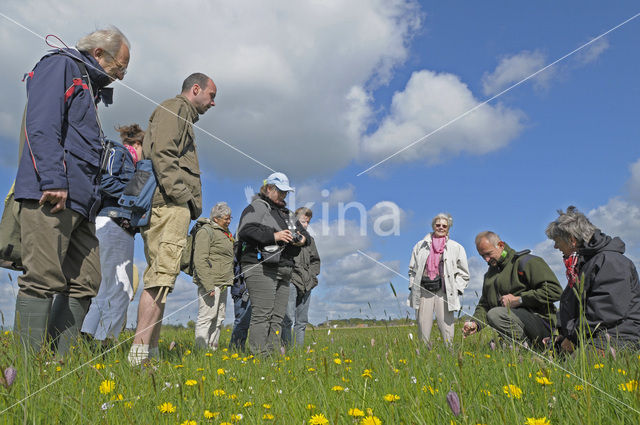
<point x="381" y="375"/>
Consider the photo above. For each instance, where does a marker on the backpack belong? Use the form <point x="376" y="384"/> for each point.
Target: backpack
<point x="10" y="246"/>
<point x="138" y="193"/>
<point x="186" y="260"/>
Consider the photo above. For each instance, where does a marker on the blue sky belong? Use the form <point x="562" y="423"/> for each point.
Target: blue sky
<point x="324" y="90"/>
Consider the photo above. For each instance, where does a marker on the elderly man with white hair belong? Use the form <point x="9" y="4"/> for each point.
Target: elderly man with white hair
<point x="57" y="185"/>
<point x="213" y="273"/>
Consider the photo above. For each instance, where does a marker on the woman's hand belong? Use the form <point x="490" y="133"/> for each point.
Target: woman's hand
<point x="302" y="241"/>
<point x="283" y="236"/>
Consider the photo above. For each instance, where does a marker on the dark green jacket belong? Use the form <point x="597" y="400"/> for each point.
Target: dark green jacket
<point x="306" y="267"/>
<point x="538" y="287"/>
<point x="170" y="144"/>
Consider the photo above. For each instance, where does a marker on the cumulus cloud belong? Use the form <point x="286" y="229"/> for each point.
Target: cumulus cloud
<point x="592" y="52"/>
<point x="287" y="73"/>
<point x="633" y="184"/>
<point x="621" y="218"/>
<point x="429" y="101"/>
<point x="513" y="69"/>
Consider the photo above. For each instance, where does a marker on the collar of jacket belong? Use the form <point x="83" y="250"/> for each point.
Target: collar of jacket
<point x="99" y="79"/>
<point x="193" y="112"/>
<point x="428" y="241"/>
<point x="273" y="204"/>
<point x="506" y="260"/>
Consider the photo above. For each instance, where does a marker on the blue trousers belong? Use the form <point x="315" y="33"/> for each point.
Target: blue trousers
<point x="297" y="315"/>
<point x="242" y="312"/>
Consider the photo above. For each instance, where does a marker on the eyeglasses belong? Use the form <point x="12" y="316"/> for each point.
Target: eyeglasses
<point x="119" y="66"/>
<point x="444" y="226"/>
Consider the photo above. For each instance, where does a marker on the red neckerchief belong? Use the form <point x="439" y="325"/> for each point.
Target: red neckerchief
<point x="229" y="235"/>
<point x="571" y="263"/>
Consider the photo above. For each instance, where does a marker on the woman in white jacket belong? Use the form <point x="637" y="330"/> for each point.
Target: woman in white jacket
<point x="438" y="275"/>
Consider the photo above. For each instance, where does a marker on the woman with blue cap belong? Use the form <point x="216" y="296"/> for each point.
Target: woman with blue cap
<point x="269" y="238"/>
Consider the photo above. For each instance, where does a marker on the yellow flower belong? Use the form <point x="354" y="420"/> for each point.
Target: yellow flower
<point x="512" y="391"/>
<point x="543" y="381"/>
<point x="167" y="408"/>
<point x="318" y="419"/>
<point x="370" y="420"/>
<point x="128" y="405"/>
<point x="429" y="389"/>
<point x="629" y="386"/>
<point x="220" y="371"/>
<point x="337" y="361"/>
<point x="537" y="421"/>
<point x="337" y="388"/>
<point x="598" y="366"/>
<point x="266" y="406"/>
<point x="58" y="368"/>
<point x="218" y="393"/>
<point x="403" y="361"/>
<point x="355" y="412"/>
<point x="188" y="422"/>
<point x="311" y="369"/>
<point x="367" y="373"/>
<point x="178" y="366"/>
<point x="107" y="386"/>
<point x="247" y="404"/>
<point x="226" y="423"/>
<point x="622" y="371"/>
<point x="191" y="382"/>
<point x="347" y="361"/>
<point x="311" y="406"/>
<point x="233" y="397"/>
<point x="208" y="414"/>
<point x="391" y="397"/>
<point x="578" y="387"/>
<point x="186" y="353"/>
<point x="236" y="417"/>
<point x="209" y="354"/>
<point x="98" y="366"/>
<point x="267" y="416"/>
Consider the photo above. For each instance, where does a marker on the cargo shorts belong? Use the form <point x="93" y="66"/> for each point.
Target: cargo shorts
<point x="164" y="240"/>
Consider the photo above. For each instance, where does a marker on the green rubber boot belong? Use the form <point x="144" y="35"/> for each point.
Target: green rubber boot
<point x="67" y="315"/>
<point x="30" y="323"/>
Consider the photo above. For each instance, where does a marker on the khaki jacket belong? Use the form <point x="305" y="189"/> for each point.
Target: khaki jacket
<point x="306" y="267"/>
<point x="170" y="144"/>
<point x="212" y="257"/>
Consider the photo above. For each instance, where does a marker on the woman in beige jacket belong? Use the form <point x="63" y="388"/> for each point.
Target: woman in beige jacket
<point x="438" y="276"/>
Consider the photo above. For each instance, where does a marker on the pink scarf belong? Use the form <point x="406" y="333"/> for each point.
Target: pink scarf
<point x="133" y="153"/>
<point x="433" y="260"/>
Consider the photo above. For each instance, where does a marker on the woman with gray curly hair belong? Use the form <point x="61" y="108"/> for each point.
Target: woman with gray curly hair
<point x="213" y="273"/>
<point x="601" y="280"/>
<point x="438" y="276"/>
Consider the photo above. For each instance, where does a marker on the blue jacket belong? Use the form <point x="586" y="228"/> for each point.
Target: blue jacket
<point x="119" y="171"/>
<point x="62" y="149"/>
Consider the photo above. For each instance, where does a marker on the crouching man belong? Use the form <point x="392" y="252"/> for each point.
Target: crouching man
<point x="518" y="293"/>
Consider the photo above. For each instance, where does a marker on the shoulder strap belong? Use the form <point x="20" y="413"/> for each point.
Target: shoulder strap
<point x="523" y="258"/>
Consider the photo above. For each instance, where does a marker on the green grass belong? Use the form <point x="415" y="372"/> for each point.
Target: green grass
<point x="329" y="380"/>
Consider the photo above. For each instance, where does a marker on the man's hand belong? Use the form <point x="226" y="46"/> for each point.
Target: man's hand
<point x="511" y="300"/>
<point x="469" y="328"/>
<point x="57" y="197"/>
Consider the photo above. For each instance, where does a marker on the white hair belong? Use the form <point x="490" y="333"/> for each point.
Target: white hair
<point x="109" y="39"/>
<point x="442" y="216"/>
<point x="219" y="210"/>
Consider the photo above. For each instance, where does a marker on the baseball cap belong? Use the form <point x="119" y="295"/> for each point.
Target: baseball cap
<point x="281" y="181"/>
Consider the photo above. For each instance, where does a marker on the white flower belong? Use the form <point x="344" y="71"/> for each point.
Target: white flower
<point x="410" y="336"/>
<point x="106" y="406"/>
<point x="414" y="380"/>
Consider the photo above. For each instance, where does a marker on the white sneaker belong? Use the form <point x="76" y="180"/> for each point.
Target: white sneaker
<point x="138" y="354"/>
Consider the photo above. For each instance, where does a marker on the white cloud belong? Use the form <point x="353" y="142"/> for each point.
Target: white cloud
<point x="429" y="101"/>
<point x="286" y="72"/>
<point x="592" y="52"/>
<point x="633" y="184"/>
<point x="619" y="218"/>
<point x="515" y="68"/>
